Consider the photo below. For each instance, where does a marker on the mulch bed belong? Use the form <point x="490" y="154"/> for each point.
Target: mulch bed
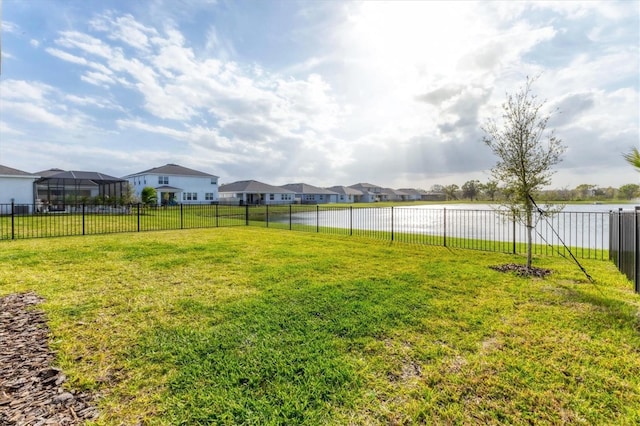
<point x="522" y="270"/>
<point x="31" y="389"/>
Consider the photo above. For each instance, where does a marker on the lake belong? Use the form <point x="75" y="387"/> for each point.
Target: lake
<point x="579" y="225"/>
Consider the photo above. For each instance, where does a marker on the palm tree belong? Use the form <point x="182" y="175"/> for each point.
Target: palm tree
<point x="633" y="158"/>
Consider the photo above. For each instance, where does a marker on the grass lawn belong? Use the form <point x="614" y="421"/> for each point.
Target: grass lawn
<point x="259" y="326"/>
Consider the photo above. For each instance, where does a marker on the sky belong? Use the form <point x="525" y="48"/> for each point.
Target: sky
<point x="322" y="92"/>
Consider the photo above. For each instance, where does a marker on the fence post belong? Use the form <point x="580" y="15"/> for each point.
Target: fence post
<point x="391" y="223"/>
<point x="83" y="210"/>
<point x="317" y="218"/>
<point x="637" y="250"/>
<point x="514" y="232"/>
<point x="444" y="225"/>
<point x="246" y="214"/>
<point x="289" y="217"/>
<point x="350" y="220"/>
<point x="13" y="224"/>
<point x="138" y="217"/>
<point x="610" y="235"/>
<point x="217" y="216"/>
<point x="620" y="257"/>
<point x="266" y="219"/>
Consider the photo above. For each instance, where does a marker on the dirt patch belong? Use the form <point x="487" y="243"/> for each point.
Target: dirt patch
<point x="522" y="270"/>
<point x="31" y="388"/>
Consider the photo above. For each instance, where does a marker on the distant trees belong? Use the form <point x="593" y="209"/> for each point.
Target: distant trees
<point x="451" y="191"/>
<point x="490" y="189"/>
<point x="526" y="153"/>
<point x="584" y="191"/>
<point x="471" y="189"/>
<point x="491" y="192"/>
<point x="629" y="191"/>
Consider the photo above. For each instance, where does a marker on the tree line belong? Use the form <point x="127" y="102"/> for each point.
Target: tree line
<point x="490" y="191"/>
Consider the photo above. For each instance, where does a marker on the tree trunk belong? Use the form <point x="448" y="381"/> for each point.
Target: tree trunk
<point x="529" y="221"/>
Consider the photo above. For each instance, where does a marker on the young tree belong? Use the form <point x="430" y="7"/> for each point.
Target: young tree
<point x="128" y="195"/>
<point x="149" y="196"/>
<point x="526" y="152"/>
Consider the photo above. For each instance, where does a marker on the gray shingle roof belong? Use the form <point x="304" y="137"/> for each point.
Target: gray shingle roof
<point x="172" y="170"/>
<point x="9" y="171"/>
<point x="345" y="190"/>
<point x="303" y="188"/>
<point x="254" y="187"/>
<point x="365" y="186"/>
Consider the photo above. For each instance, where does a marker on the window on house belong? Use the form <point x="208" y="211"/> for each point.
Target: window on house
<point x="163" y="180"/>
<point x="214" y="181"/>
<point x="272" y="197"/>
<point x="190" y="196"/>
<point x="208" y="196"/>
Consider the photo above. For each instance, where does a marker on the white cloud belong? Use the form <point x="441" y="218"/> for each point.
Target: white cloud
<point x="390" y="92"/>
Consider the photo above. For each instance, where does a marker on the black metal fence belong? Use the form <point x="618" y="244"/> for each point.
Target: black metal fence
<point x="624" y="243"/>
<point x="585" y="234"/>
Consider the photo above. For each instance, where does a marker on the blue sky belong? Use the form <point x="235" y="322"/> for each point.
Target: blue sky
<point x="321" y="92"/>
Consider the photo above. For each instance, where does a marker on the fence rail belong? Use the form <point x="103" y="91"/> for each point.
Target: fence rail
<point x="624" y="240"/>
<point x="586" y="234"/>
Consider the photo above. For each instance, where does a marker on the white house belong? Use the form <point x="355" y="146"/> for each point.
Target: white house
<point x="309" y="194"/>
<point x="16" y="187"/>
<point x="253" y="192"/>
<point x="176" y="184"/>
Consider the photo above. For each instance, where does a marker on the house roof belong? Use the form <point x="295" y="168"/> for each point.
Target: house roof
<point x="9" y="171"/>
<point x="303" y="188"/>
<point x="167" y="188"/>
<point x="365" y="186"/>
<point x="345" y="190"/>
<point x="76" y="175"/>
<point x="172" y="170"/>
<point x="253" y="187"/>
<point x="412" y="191"/>
<point x="391" y="191"/>
<point x="49" y="172"/>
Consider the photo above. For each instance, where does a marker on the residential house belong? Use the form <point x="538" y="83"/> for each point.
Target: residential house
<point x="412" y="194"/>
<point x="176" y="184"/>
<point x="346" y="194"/>
<point x="309" y="194"/>
<point x="253" y="192"/>
<point x="16" y="187"/>
<point x="370" y="193"/>
<point x="56" y="188"/>
<point x="390" y="194"/>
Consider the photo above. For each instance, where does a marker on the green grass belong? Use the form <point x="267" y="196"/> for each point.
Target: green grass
<point x="260" y="326"/>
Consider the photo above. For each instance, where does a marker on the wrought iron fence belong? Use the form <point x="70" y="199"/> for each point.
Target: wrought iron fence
<point x="624" y="243"/>
<point x="585" y="234"/>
